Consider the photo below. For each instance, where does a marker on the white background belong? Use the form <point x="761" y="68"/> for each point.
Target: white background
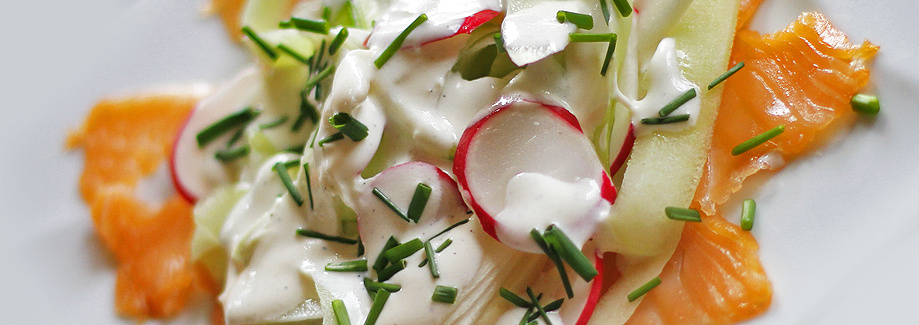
<point x="839" y="230"/>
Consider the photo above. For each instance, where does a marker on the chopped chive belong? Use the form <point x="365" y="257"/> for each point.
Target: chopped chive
<point x="381" y="260"/>
<point x="332" y="138"/>
<point x="292" y="53"/>
<point x="625" y="9"/>
<point x="643" y="289"/>
<point x="457" y="224"/>
<point x="609" y="54"/>
<point x="289" y="184"/>
<point x="232" y="121"/>
<point x="379" y="300"/>
<point x="604" y="6"/>
<point x="585" y="37"/>
<point x="391" y="270"/>
<point x="392" y="206"/>
<point x="582" y="21"/>
<point x="747" y="214"/>
<point x="555" y="305"/>
<point x="444" y="294"/>
<point x="309" y="185"/>
<point x="432" y="265"/>
<point x="404" y="250"/>
<point x="864" y="103"/>
<point x="666" y="120"/>
<point x="514" y="298"/>
<point x="307" y="25"/>
<point x="326" y="13"/>
<point x="539" y="309"/>
<point x="444" y="245"/>
<point x="419" y="201"/>
<point x="338" y="40"/>
<point x="725" y="75"/>
<point x="295" y="148"/>
<point x="315" y="80"/>
<point x="758" y="140"/>
<point x="373" y="286"/>
<point x="682" y="214"/>
<point x="275" y="123"/>
<point x="319" y="235"/>
<point x="397" y="43"/>
<point x="348" y="266"/>
<point x="318" y="62"/>
<point x="260" y="42"/>
<point x="526" y="317"/>
<point x="229" y="155"/>
<point x="499" y="43"/>
<point x="570" y="253"/>
<point x="291" y="163"/>
<point x="541" y="242"/>
<point x="360" y="246"/>
<point x="307" y="110"/>
<point x="341" y="313"/>
<point x="676" y="103"/>
<point x="235" y="137"/>
<point x="349" y="126"/>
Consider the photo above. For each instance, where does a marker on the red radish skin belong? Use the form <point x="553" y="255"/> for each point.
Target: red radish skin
<point x="596" y="288"/>
<point x="172" y="166"/>
<point x="608" y="190"/>
<point x="469" y="25"/>
<point x="624" y="152"/>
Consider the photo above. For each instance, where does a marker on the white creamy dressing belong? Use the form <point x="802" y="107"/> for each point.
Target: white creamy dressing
<point x="665" y="83"/>
<point x="415" y="108"/>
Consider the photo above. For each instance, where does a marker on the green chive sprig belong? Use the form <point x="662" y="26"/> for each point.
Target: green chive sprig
<point x="610" y="49"/>
<point x="403" y="250"/>
<point x="758" y="140"/>
<point x="349" y="126"/>
<point x="682" y="214"/>
<point x="307" y="25"/>
<point x="341" y="313"/>
<point x="281" y="168"/>
<point x="570" y="253"/>
<point x="457" y="224"/>
<point x="391" y="270"/>
<point x="236" y="120"/>
<point x="535" y="301"/>
<point x="389" y="203"/>
<point x="580" y="20"/>
<point x="373" y="286"/>
<point x="332" y="138"/>
<point x="724" y="76"/>
<point x="499" y="42"/>
<point x="553" y="255"/>
<point x="261" y="43"/>
<point x="867" y="104"/>
<point x="643" y="289"/>
<point x="623" y="6"/>
<point x="419" y="201"/>
<point x="747" y="213"/>
<point x="229" y="155"/>
<point x="586" y="37"/>
<point x="676" y="103"/>
<point x="379" y="301"/>
<point x="381" y="260"/>
<point x="347" y="266"/>
<point x="309" y="185"/>
<point x="514" y="298"/>
<point x="274" y="124"/>
<point x="316" y="79"/>
<point x="338" y="40"/>
<point x="444" y="245"/>
<point x="555" y="305"/>
<point x="397" y="43"/>
<point x="444" y="294"/>
<point x="293" y="53"/>
<point x="607" y="14"/>
<point x="432" y="265"/>
<point x="665" y="120"/>
<point x="319" y="235"/>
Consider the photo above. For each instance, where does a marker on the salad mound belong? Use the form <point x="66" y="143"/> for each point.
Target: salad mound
<point x="482" y="161"/>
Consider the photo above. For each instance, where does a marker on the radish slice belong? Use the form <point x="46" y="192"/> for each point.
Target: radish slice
<point x="446" y="18"/>
<point x="628" y="141"/>
<point x="526" y="166"/>
<point x="194" y="171"/>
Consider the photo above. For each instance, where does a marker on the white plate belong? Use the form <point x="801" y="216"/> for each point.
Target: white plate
<point x="835" y="229"/>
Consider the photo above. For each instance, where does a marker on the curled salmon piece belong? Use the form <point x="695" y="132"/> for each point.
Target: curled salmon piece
<point x="125" y="141"/>
<point x="714" y="277"/>
<point x="801" y="77"/>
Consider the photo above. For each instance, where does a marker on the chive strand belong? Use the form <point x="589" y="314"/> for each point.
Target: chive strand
<point x="403" y="250"/>
<point x="665" y="120"/>
<point x="757" y="140"/>
<point x="682" y="214"/>
<point x="541" y="242"/>
<point x="514" y="298"/>
<point x="379" y="300"/>
<point x="444" y="245"/>
<point x="381" y="261"/>
<point x="338" y="40"/>
<point x="307" y="25"/>
<point x="392" y="206"/>
<point x="747" y="214"/>
<point x="317" y="64"/>
<point x="864" y="103"/>
<point x="610" y="49"/>
<point x="623" y="6"/>
<point x="499" y="42"/>
<point x="280" y="168"/>
<point x="643" y="289"/>
<point x="419" y="201"/>
<point x="274" y="124"/>
<point x="607" y="14"/>
<point x="283" y="48"/>
<point x="229" y="155"/>
<point x="309" y="185"/>
<point x="391" y="270"/>
<point x="224" y="125"/>
<point x="539" y="309"/>
<point x="397" y="43"/>
<point x="579" y="20"/>
<point x="555" y="305"/>
<point x="373" y="286"/>
<point x="315" y="80"/>
<point x="319" y="235"/>
<point x="586" y="37"/>
<point x="444" y="294"/>
<point x="332" y="138"/>
<point x="570" y="253"/>
<point x="260" y="42"/>
<point x="360" y="247"/>
<point x="341" y="313"/>
<point x="724" y="76"/>
<point x="347" y="266"/>
<point x="676" y="103"/>
<point x="432" y="265"/>
<point x="349" y="126"/>
<point x="457" y="224"/>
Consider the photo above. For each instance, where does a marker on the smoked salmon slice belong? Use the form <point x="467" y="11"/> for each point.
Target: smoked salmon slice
<point x="124" y="141"/>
